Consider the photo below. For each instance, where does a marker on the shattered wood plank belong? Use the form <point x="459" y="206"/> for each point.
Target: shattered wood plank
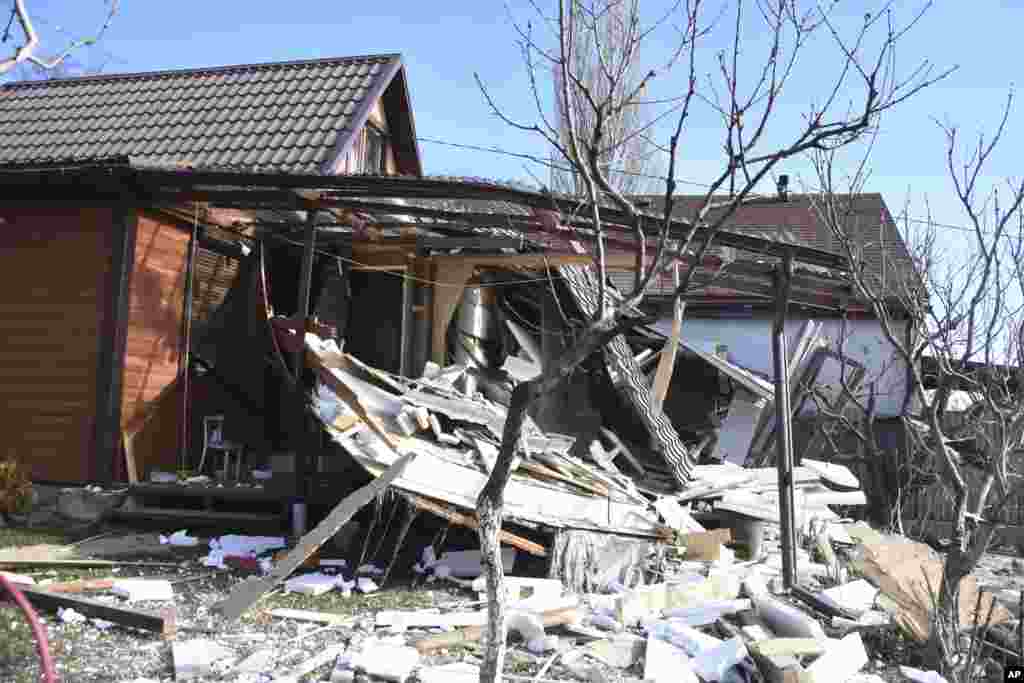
<point x="163" y="623"/>
<point x="247" y="592"/>
<point x="667" y="362"/>
<point x="456" y="517"/>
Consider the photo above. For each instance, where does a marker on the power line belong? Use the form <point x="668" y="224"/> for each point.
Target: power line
<point x="550" y="164"/>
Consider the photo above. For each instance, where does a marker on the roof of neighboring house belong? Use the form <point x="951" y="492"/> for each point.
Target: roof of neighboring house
<point x="289" y="116"/>
<point x="795" y="221"/>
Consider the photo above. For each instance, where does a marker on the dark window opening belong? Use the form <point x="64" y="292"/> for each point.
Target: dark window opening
<point x="373" y="150"/>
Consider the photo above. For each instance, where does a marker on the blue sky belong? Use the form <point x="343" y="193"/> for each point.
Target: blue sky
<point x="443" y="43"/>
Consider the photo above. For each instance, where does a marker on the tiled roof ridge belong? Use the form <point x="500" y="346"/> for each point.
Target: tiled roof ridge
<point x="228" y="68"/>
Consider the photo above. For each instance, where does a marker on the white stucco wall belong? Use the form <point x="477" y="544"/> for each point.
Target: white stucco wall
<point x="749" y="342"/>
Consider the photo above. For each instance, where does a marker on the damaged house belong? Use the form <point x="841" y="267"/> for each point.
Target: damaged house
<point x="257" y="244"/>
<point x="828" y="339"/>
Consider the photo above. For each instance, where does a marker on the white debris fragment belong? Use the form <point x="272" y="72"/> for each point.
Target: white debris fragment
<point x="196" y="658"/>
<point x="179" y="538"/>
<point x="605" y="622"/>
<point x="365" y="584"/>
<point x="708" y="612"/>
<point x="386" y="660"/>
<point x="458" y="672"/>
<point x="842" y="659"/>
<point x="712" y="664"/>
<point x="314" y="583"/>
<point x="687" y="638"/>
<point x="102" y="624"/>
<point x="856" y="596"/>
<point x="68" y="615"/>
<point x="921" y="676"/>
<point x="370" y="570"/>
<point x="666" y="663"/>
<point x="463" y="564"/>
<point x="246" y="546"/>
<point x="139" y="590"/>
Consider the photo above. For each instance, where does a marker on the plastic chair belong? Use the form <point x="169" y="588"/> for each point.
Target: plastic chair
<point x="213" y="440"/>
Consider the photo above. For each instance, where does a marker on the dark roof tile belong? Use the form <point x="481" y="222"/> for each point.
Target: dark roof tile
<point x="280" y="116"/>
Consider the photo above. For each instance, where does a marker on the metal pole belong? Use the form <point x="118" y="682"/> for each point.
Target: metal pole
<point x="783" y="422"/>
<point x="305" y="285"/>
<point x="186" y="337"/>
<point x="303" y="436"/>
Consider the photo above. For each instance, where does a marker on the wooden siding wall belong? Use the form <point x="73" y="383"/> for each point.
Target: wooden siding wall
<point x="154" y="321"/>
<point x="53" y="294"/>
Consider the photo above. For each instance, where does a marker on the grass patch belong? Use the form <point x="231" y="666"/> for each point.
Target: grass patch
<point x="399" y="598"/>
<point x="10" y="537"/>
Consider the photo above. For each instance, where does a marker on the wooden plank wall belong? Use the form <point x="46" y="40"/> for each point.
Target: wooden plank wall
<point x="53" y="279"/>
<point x="154" y="326"/>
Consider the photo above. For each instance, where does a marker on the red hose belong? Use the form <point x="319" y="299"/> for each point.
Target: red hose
<point x="42" y="644"/>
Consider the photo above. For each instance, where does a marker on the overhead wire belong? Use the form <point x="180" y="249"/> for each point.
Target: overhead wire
<point x="550" y="164"/>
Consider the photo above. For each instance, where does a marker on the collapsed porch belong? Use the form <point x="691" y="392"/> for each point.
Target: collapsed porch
<point x="437" y="253"/>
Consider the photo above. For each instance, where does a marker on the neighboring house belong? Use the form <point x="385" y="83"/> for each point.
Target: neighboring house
<point x="737" y="326"/>
<point x="93" y="296"/>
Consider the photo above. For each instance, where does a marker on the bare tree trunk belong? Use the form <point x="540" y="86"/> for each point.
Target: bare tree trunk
<point x="489" y="513"/>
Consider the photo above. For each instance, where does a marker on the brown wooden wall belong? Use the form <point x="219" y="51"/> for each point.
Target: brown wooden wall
<point x="156" y="294"/>
<point x="53" y="308"/>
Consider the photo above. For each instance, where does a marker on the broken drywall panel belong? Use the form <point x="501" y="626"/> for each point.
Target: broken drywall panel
<point x="520" y="369"/>
<point x="738" y="427"/>
<point x="621" y="651"/>
<point x="794" y="647"/>
<point x="666" y="663"/>
<point x="706" y="613"/>
<point x="641" y="603"/>
<point x="443" y="473"/>
<point x="691" y="641"/>
<point x="856" y="597"/>
<point x="676" y="516"/>
<point x="835" y="475"/>
<point x="842" y="659"/>
<point x="712" y="664"/>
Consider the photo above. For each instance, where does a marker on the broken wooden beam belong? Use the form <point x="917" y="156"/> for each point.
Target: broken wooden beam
<point x="163" y="623"/>
<point x="248" y="592"/>
<point x="461" y="519"/>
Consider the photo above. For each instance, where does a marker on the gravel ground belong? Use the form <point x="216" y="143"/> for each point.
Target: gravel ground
<point x="91" y="652"/>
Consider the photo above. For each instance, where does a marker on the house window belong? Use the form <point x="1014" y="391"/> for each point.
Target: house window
<point x="373" y="150"/>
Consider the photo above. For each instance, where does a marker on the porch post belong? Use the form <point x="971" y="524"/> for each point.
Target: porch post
<point x="304" y="436"/>
<point x="783" y="421"/>
<point x="186" y="341"/>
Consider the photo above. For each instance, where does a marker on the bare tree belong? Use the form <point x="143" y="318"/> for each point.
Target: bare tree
<point x="27" y="48"/>
<point x="742" y="91"/>
<point x="965" y="335"/>
<point x="606" y="60"/>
